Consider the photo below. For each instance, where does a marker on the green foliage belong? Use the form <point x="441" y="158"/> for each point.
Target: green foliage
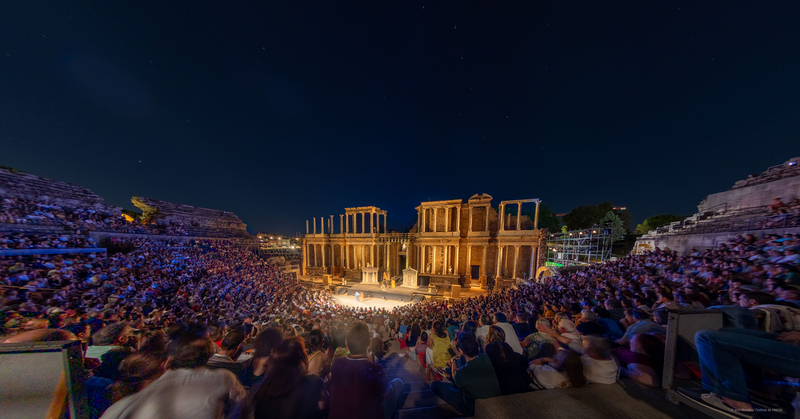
<point x="614" y="223"/>
<point x="547" y="218"/>
<point x="586" y="216"/>
<point x="657" y="221"/>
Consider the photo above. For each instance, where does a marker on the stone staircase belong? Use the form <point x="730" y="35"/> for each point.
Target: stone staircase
<point x="418" y="402"/>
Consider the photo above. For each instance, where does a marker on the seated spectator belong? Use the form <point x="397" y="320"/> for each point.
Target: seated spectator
<point x="136" y="372"/>
<point x="776" y="207"/>
<point x="229" y="351"/>
<point x="642" y="324"/>
<point x="266" y="340"/>
<point x="643" y="361"/>
<point x="612" y="329"/>
<point x="476" y="379"/>
<point x="588" y="324"/>
<point x="318" y="363"/>
<point x="535" y="339"/>
<point x="509" y="367"/>
<point x="110" y="337"/>
<point x="511" y="335"/>
<point x="439" y="341"/>
<point x="188" y="389"/>
<point x="289" y="391"/>
<point x="358" y="387"/>
<point x="722" y="356"/>
<point x="564" y="370"/>
<point x="598" y="366"/>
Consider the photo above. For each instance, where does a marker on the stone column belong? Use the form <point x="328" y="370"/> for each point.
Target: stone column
<point x="446" y="219"/>
<point x="315" y="255"/>
<point x="384" y="224"/>
<point x="323" y="254"/>
<point x="516" y="257"/>
<point x="468" y="264"/>
<point x="501" y="218"/>
<point x="458" y="218"/>
<point x="315" y="225"/>
<point x="372" y="255"/>
<point x="455" y="268"/>
<point x="536" y="217"/>
<point x="419" y="220"/>
<point x="363" y="222"/>
<point x="341" y="224"/>
<point x="386" y="256"/>
<point x="533" y="256"/>
<point x="483" y="262"/>
<point x="499" y="260"/>
<point x="346" y="224"/>
<point x="445" y="271"/>
<point x="347" y="256"/>
<point x="469" y="228"/>
<point x="322" y="225"/>
<point x="306" y="226"/>
<point x="435" y="215"/>
<point x="433" y="256"/>
<point x="519" y="214"/>
<point x="408" y="253"/>
<point x="330" y="229"/>
<point x="486" y="228"/>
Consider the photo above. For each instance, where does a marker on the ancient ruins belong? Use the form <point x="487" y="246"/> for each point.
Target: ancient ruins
<point x="452" y="242"/>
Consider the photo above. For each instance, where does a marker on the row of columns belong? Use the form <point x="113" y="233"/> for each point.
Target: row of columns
<point x="501" y="215"/>
<point x="344" y="223"/>
<point x="422" y="218"/>
<point x="501" y="262"/>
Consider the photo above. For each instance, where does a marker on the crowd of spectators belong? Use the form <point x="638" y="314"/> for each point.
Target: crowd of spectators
<point x="21" y="241"/>
<point x="208" y="327"/>
<point x="77" y="220"/>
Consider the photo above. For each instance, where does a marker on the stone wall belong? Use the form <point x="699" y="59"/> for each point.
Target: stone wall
<point x="684" y="243"/>
<point x="788" y="169"/>
<point x="55" y="192"/>
<point x="203" y="220"/>
<point x="759" y="195"/>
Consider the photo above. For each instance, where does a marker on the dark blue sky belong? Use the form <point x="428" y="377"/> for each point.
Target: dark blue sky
<point x="282" y="111"/>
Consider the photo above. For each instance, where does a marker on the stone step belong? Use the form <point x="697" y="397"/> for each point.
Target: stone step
<point x="421" y="398"/>
<point x="429" y="412"/>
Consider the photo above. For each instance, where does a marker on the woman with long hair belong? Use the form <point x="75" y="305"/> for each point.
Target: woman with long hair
<point x="439" y="343"/>
<point x="317" y="359"/>
<point x="136" y="372"/>
<point x="509" y="367"/>
<point x="266" y="340"/>
<point x="288" y="391"/>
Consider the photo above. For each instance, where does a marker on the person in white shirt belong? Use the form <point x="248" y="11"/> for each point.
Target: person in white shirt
<point x="511" y="334"/>
<point x="598" y="366"/>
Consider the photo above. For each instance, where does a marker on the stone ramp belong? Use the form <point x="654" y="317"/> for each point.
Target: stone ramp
<point x="594" y="401"/>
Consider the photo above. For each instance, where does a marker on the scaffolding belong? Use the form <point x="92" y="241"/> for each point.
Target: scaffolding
<point x="578" y="247"/>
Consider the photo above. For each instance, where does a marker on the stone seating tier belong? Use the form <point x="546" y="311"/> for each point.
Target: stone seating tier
<point x="192" y="218"/>
<point x="31" y="187"/>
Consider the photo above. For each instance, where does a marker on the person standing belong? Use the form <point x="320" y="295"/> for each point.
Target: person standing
<point x="358" y="387"/>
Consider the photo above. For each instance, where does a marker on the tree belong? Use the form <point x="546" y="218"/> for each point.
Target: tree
<point x="614" y="224"/>
<point x="657" y="221"/>
<point x="547" y="218"/>
<point x="586" y="216"/>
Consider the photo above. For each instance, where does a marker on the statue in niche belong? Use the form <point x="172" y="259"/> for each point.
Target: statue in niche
<point x="428" y="268"/>
<point x="359" y="265"/>
<point x="450" y="270"/>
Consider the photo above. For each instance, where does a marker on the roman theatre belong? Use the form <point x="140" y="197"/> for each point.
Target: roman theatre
<point x="454" y="249"/>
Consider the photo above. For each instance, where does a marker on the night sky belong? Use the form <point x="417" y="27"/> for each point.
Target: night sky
<point x="282" y="111"/>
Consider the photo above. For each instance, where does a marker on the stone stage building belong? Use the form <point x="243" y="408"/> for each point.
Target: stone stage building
<point x="452" y="242"/>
